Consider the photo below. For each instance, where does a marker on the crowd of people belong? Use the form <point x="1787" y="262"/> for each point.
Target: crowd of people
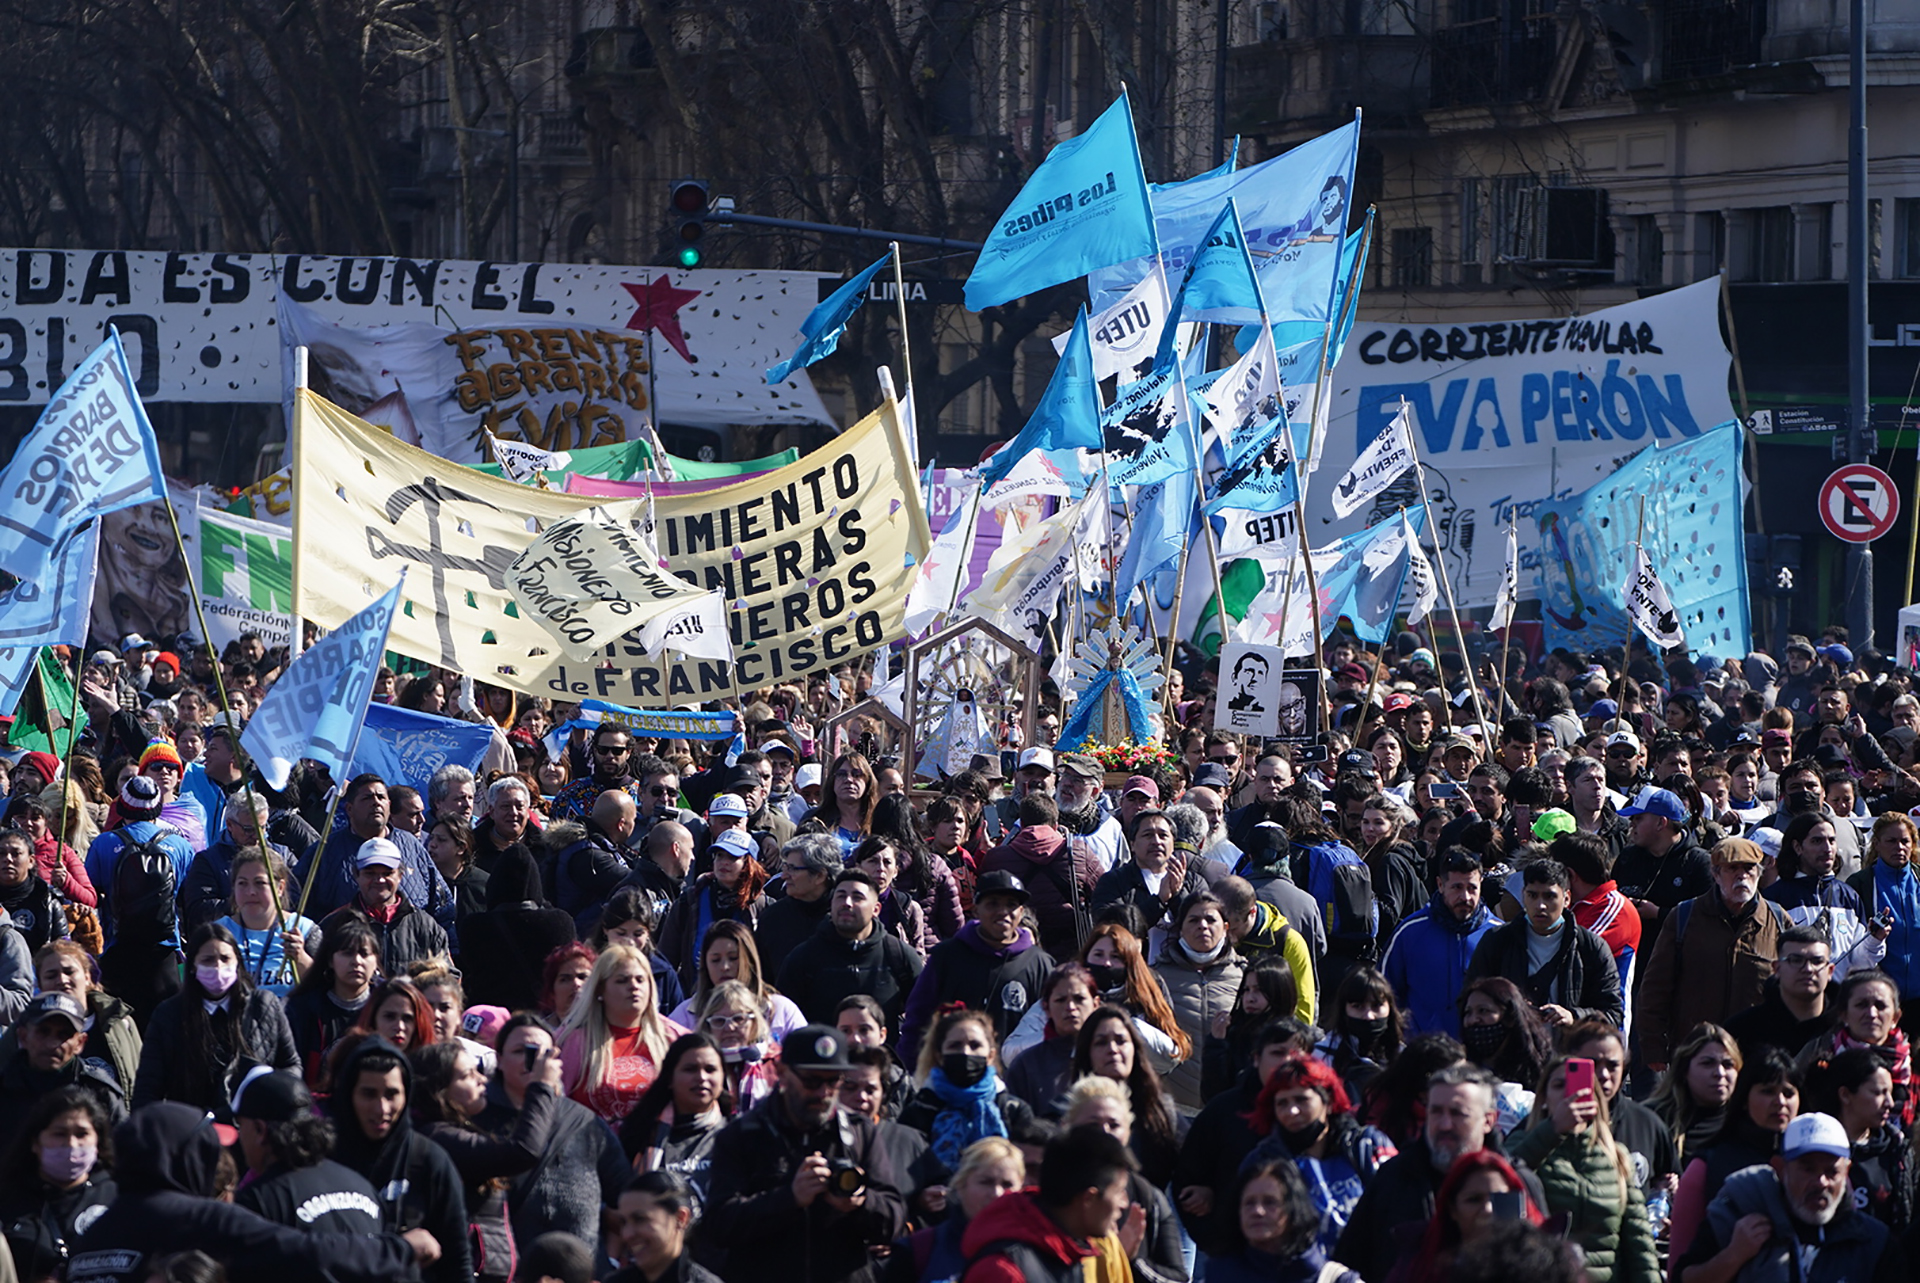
<point x="1591" y="974"/>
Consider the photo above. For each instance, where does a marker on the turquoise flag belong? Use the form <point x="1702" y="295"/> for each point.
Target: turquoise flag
<point x="1068" y="416"/>
<point x="1219" y="284"/>
<point x="821" y="331"/>
<point x="92" y="452"/>
<point x="1163" y="524"/>
<point x="317" y="707"/>
<point x="1085" y="207"/>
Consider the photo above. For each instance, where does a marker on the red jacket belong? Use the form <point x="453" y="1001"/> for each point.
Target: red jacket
<point x="48" y="854"/>
<point x="1612" y="917"/>
<point x="1017" y="1217"/>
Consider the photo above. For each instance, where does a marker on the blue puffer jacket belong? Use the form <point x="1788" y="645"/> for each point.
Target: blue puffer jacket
<point x="1427" y="965"/>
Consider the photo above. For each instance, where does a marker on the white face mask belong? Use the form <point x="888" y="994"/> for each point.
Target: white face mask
<point x="216" y="979"/>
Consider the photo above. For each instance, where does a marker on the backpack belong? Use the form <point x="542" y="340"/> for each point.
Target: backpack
<point x="1683" y="914"/>
<point x="1353" y="916"/>
<point x="141" y="895"/>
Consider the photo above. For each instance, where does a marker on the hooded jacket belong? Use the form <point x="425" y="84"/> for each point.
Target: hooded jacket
<point x="1013" y="1240"/>
<point x="1580" y="976"/>
<point x="419" y="1187"/>
<point x="1003" y="982"/>
<point x="1427" y="963"/>
<point x="164" y="1165"/>
<point x="829" y="967"/>
<point x="1835" y="907"/>
<point x="1853" y="1247"/>
<point x="411" y="935"/>
<point x="585" y="866"/>
<point x="1044" y="857"/>
<point x="327" y="1196"/>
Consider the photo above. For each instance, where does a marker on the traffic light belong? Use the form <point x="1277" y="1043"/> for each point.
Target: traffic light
<point x="687" y="220"/>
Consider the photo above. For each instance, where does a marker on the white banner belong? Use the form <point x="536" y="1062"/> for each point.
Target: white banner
<point x="592" y="579"/>
<point x="1508" y="414"/>
<point x="201" y="327"/>
<point x="245" y="578"/>
<point x="1379" y="466"/>
<point x="1125" y="337"/>
<point x="1649" y="606"/>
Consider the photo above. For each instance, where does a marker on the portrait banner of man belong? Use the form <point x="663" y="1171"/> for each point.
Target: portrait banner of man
<point x="1251" y="696"/>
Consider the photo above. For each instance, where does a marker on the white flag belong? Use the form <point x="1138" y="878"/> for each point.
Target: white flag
<point x="1248" y="396"/>
<point x="521" y="463"/>
<point x="1421" y="580"/>
<point x="1035" y="474"/>
<point x="1025" y="575"/>
<point x="697" y="630"/>
<point x="944" y="568"/>
<point x="1389" y="455"/>
<point x="1648" y="606"/>
<point x="1508" y="595"/>
<point x="1125" y="337"/>
<point x="593" y="578"/>
<point x="1281" y="613"/>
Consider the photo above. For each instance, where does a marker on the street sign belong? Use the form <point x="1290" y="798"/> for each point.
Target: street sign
<point x="1858" y="503"/>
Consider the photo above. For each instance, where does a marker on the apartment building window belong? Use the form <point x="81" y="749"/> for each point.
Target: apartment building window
<point x="1649" y="250"/>
<point x="1813" y="254"/>
<point x="1412" y="257"/>
<point x="1769" y="248"/>
<point x="1471" y="253"/>
<point x="1709" y="244"/>
<point x="1906" y="238"/>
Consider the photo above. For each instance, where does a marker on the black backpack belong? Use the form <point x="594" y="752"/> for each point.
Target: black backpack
<point x="1353" y="918"/>
<point x="141" y="898"/>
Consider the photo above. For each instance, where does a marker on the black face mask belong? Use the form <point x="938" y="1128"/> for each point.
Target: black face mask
<point x="1108" y="975"/>
<point x="1370" y="1032"/>
<point x="1302" y="1139"/>
<point x="1483" y="1040"/>
<point x="963" y="1070"/>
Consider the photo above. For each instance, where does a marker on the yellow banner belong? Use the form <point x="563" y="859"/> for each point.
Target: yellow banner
<point x="812" y="559"/>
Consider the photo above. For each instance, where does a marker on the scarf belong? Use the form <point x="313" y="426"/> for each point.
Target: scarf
<point x="968" y="1114"/>
<point x="1083" y="821"/>
<point x="1897" y="1056"/>
<point x="1201" y="959"/>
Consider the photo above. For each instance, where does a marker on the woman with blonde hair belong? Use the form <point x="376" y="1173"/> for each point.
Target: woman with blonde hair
<point x="988" y="1168"/>
<point x="749" y="1055"/>
<point x="1588" y="1178"/>
<point x="614" y="1038"/>
<point x="1692" y="1095"/>
<point x="1889" y="884"/>
<point x="962" y="1097"/>
<point x="730" y="953"/>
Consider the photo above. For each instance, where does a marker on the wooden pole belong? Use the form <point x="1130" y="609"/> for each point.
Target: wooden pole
<point x="906" y="346"/>
<point x="1626" y="655"/>
<point x="297" y="642"/>
<point x="1453" y="612"/>
<point x="1506" y="634"/>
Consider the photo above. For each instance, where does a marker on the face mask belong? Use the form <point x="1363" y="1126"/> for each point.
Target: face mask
<point x="1371" y="1031"/>
<point x="1204" y="958"/>
<point x="1300" y="1140"/>
<point x="216" y="979"/>
<point x="1483" y="1040"/>
<point x="1108" y="975"/>
<point x="65" y="1164"/>
<point x="963" y="1070"/>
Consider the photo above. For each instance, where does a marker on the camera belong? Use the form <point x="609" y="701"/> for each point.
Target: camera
<point x="845" y="1177"/>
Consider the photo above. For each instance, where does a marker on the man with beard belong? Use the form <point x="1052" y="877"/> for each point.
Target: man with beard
<point x="1794" y="1219"/>
<point x="1460" y="1120"/>
<point x="611" y="748"/>
<point x="1096" y="839"/>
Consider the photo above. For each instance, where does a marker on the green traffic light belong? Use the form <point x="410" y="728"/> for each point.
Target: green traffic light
<point x="689" y="256"/>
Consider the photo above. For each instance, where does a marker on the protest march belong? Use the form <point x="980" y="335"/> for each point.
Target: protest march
<point x="1314" y="804"/>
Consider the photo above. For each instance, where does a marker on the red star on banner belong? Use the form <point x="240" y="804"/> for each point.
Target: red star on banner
<point x="660" y="305"/>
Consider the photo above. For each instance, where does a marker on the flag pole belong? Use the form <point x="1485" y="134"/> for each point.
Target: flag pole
<point x="1626" y="654"/>
<point x="1446" y="584"/>
<point x="906" y="347"/>
<point x="73" y="736"/>
<point x="298" y="641"/>
<point x="1506" y="632"/>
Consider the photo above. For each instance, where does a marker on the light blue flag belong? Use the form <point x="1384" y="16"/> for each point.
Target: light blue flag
<point x="820" y="332"/>
<point x="1694" y="535"/>
<point x="49" y="611"/>
<point x="402" y="746"/>
<point x="1218" y="171"/>
<point x="91" y="453"/>
<point x="1149" y="428"/>
<point x="1364" y="585"/>
<point x="1086" y="207"/>
<point x="316" y="709"/>
<point x="1163" y="524"/>
<point x="1293" y="209"/>
<point x="1219" y="284"/>
<point x="1291" y="333"/>
<point x="1068" y="416"/>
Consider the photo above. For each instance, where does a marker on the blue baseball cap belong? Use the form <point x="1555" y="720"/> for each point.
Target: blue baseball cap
<point x="1603" y="708"/>
<point x="1660" y="802"/>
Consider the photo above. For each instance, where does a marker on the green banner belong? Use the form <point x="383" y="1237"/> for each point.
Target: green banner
<point x="628" y="459"/>
<point x="40" y="723"/>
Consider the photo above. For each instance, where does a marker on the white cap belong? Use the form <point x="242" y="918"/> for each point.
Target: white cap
<point x="1040" y="757"/>
<point x="1624" y="737"/>
<point x="378" y="851"/>
<point x="1815" y="1134"/>
<point x="727" y="804"/>
<point x="807" y="776"/>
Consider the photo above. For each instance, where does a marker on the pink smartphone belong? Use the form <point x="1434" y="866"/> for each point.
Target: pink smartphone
<point x="1579" y="1076"/>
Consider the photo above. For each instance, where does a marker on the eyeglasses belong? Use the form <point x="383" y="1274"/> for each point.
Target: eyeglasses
<point x="660" y="792"/>
<point x="791" y="869"/>
<point x="608" y="750"/>
<point x="1228" y="760"/>
<point x="730" y="1022"/>
<point x="1620" y="752"/>
<point x="817" y="1082"/>
<point x="1805" y="961"/>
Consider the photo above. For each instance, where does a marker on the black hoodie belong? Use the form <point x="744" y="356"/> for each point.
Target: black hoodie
<point x="166" y="1156"/>
<point x="417" y="1183"/>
